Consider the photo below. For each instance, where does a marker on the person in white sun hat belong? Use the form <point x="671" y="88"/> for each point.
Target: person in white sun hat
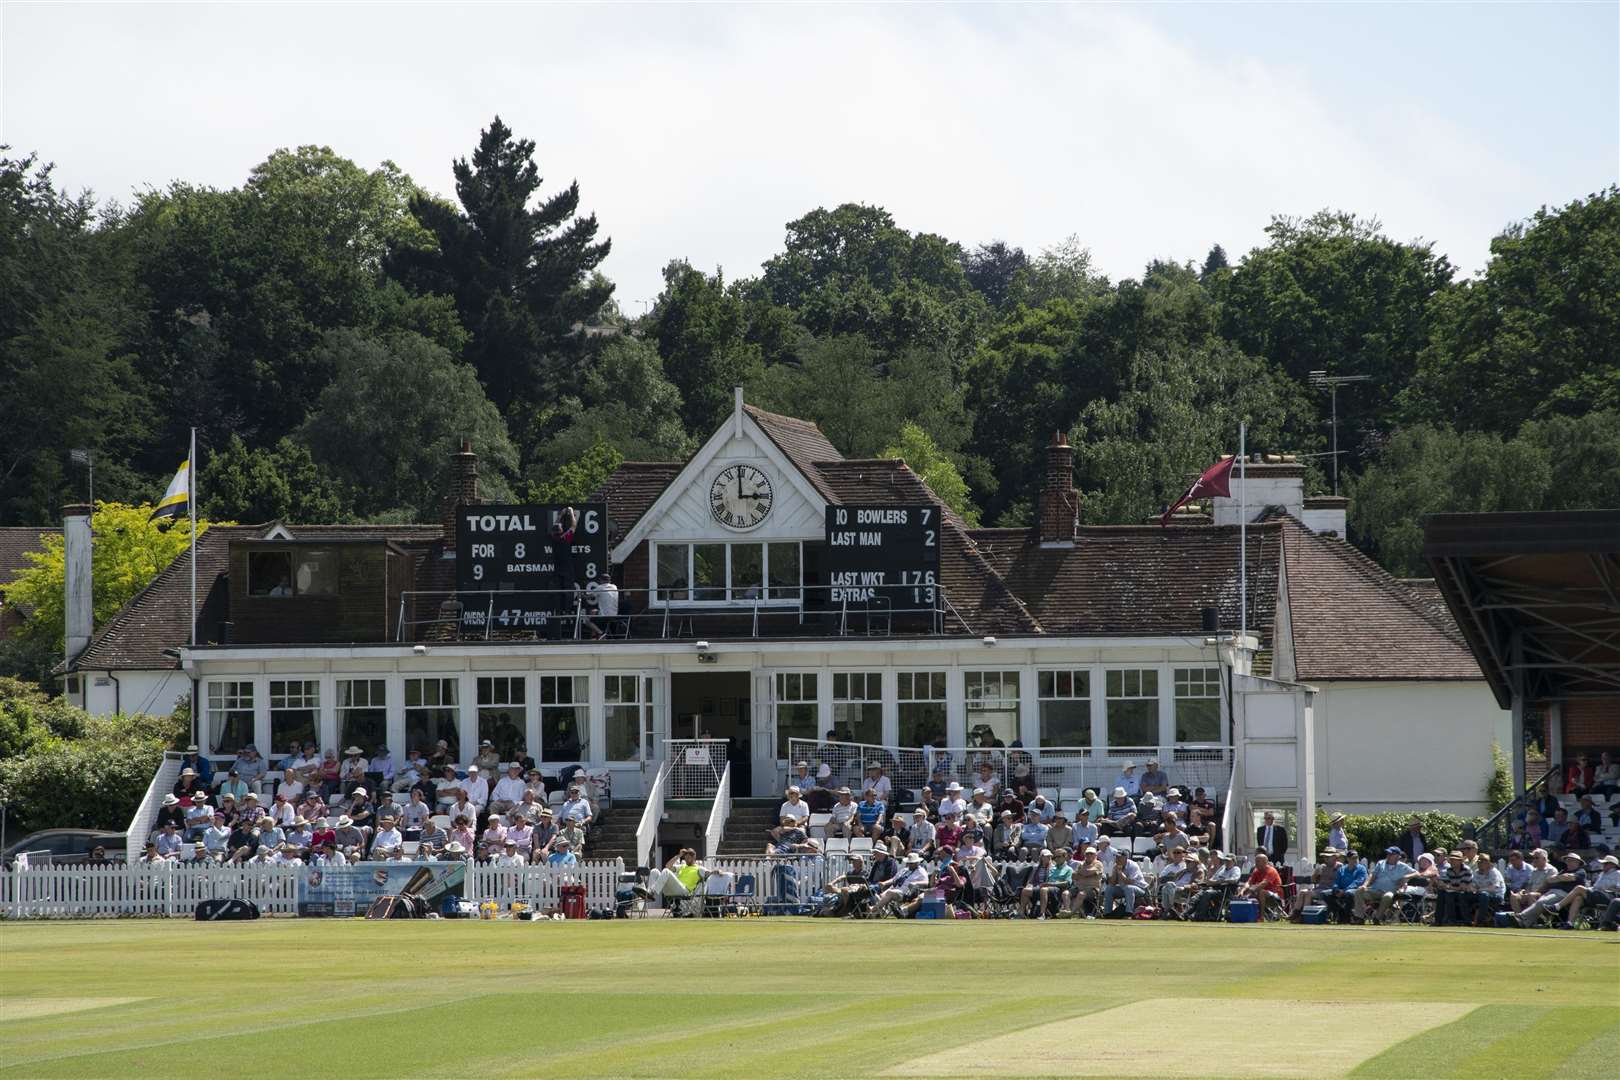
<point x="1120" y="817"/>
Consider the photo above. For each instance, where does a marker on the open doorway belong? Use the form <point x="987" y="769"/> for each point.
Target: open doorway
<point x="715" y="705"/>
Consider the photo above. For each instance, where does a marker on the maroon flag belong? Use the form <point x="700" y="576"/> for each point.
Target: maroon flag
<point x="1216" y="480"/>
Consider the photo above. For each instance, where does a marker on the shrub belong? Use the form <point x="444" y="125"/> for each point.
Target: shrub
<point x="1499" y="788"/>
<point x="1370" y="834"/>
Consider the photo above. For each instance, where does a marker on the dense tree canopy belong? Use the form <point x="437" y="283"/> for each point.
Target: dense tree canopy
<point x="333" y="331"/>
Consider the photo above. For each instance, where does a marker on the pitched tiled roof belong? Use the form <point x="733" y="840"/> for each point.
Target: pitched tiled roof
<point x="982" y="600"/>
<point x="1137" y="580"/>
<point x="802" y="442"/>
<point x="16" y="541"/>
<point x="631" y="489"/>
<point x="1352" y="620"/>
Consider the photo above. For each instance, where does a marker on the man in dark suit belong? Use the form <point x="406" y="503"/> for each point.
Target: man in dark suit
<point x="1272" y="838"/>
<point x="1412" y="842"/>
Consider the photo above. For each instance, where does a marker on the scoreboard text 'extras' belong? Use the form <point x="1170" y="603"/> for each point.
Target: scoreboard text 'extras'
<point x="883" y="552"/>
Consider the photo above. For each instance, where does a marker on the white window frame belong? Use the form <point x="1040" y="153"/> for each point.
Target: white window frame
<point x="1076" y="674"/>
<point x="1127" y="694"/>
<point x="351" y="683"/>
<point x="871" y="686"/>
<point x="731" y="601"/>
<point x="901" y="699"/>
<point x="470" y="748"/>
<point x="239" y="697"/>
<point x="779" y="681"/>
<point x="453" y="707"/>
<point x="1002" y="703"/>
<point x="641" y="704"/>
<point x="308" y="698"/>
<point x="1208" y="679"/>
<point x="578" y="680"/>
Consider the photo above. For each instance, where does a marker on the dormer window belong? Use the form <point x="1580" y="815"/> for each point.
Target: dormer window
<point x="738" y="574"/>
<point x="289" y="572"/>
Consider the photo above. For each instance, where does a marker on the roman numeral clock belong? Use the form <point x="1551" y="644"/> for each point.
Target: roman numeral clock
<point x="740" y="497"/>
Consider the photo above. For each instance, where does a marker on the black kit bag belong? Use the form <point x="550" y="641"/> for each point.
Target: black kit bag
<point x="226" y="910"/>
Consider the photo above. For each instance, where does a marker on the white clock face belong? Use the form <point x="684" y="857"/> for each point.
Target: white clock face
<point x="740" y="497"/>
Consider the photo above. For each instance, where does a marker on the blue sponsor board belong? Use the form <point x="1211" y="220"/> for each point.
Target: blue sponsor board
<point x="349" y="890"/>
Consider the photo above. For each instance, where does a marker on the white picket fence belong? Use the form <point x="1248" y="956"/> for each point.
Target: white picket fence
<point x="175" y="889"/>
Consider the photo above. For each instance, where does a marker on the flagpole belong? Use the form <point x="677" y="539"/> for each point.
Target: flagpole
<point x="1243" y="530"/>
<point x="191" y="505"/>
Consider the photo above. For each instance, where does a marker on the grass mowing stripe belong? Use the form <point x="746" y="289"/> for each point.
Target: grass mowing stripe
<point x="1549" y="1046"/>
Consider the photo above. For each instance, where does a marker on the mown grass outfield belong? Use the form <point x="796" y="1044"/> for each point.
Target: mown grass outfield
<point x="801" y="999"/>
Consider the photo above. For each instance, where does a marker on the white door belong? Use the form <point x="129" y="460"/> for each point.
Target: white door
<point x="767" y="780"/>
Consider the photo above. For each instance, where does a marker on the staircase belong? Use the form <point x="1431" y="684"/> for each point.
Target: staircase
<point x="745" y="828"/>
<point x="615" y="836"/>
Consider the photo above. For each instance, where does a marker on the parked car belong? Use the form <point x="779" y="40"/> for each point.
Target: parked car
<point x="67" y="845"/>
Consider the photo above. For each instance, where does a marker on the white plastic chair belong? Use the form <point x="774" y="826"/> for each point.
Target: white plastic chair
<point x="442" y="821"/>
<point x="860" y="845"/>
<point x="818" y="825"/>
<point x="838" y="845"/>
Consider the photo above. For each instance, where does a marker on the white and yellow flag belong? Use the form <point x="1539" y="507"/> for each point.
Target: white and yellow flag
<point x="175" y="502"/>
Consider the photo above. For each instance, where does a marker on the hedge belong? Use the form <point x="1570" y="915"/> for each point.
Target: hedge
<point x="1370" y="834"/>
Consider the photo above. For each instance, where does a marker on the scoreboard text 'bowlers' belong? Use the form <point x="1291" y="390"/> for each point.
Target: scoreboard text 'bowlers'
<point x="508" y="550"/>
<point x="883" y="552"/>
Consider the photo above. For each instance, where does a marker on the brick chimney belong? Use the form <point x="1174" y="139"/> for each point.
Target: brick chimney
<point x="463" y="489"/>
<point x="1060" y="502"/>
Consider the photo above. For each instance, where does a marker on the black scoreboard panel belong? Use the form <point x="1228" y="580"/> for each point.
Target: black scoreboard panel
<point x="508" y="551"/>
<point x="883" y="552"/>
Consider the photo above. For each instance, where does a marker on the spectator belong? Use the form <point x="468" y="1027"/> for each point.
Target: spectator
<point x="312" y="808"/>
<point x="249" y="766"/>
<point x="521" y="835"/>
<point x="1271" y="838"/>
<point x="1121" y="814"/>
<point x="1579" y="777"/>
<point x="188" y="784"/>
<point x="228" y="806"/>
<point x="1059" y="833"/>
<point x="987" y="780"/>
<point x="1126" y="885"/>
<point x="1264" y="883"/>
<point x="1170" y="835"/>
<point x="1336" y="837"/>
<point x="347" y="834"/>
<point x="1031" y="835"/>
<point x="980" y="810"/>
<point x="326" y="775"/>
<point x="545" y="831"/>
<point x="1455" y="897"/>
<point x="329" y="855"/>
<point x="870" y="814"/>
<point x="1154" y="778"/>
<point x="1606" y="891"/>
<point x="802" y="778"/>
<point x="1220" y="883"/>
<point x="493" y="838"/>
<point x="1177" y="880"/>
<point x="217" y="837"/>
<point x="462" y="807"/>
<point x="455" y="849"/>
<point x="844" y="820"/>
<point x="291" y="788"/>
<point x="476" y="787"/>
<point x="921" y="833"/>
<point x="509" y="790"/>
<point x="361" y="808"/>
<point x="851" y="886"/>
<point x="1128" y="780"/>
<point x="576" y="808"/>
<point x="168" y="840"/>
<point x="413" y="816"/>
<point x="572" y="831"/>
<point x="1202" y="816"/>
<point x="282" y="810"/>
<point x="461" y="832"/>
<point x="953" y="803"/>
<point x="1587" y="815"/>
<point x="1175" y="804"/>
<point x="1106" y="853"/>
<point x="950" y="877"/>
<point x="1023" y="783"/>
<point x="1412" y="842"/>
<point x="899" y="835"/>
<point x="352" y="772"/>
<point x="433" y="836"/>
<point x="1490" y="891"/>
<point x="1515" y="872"/>
<point x="1092" y="806"/>
<point x="878" y="782"/>
<point x="1347" y="880"/>
<point x="949" y="832"/>
<point x="300" y="835"/>
<point x="795" y="809"/>
<point x="1084" y="832"/>
<point x="1035" y="883"/>
<point x="1087" y="883"/>
<point x="1557" y="828"/>
<point x="680" y="877"/>
<point x="447" y="787"/>
<point x="1321" y="886"/>
<point x="234" y="786"/>
<point x="198" y="817"/>
<point x="905" y="886"/>
<point x="1556" y="893"/>
<point x="487" y="759"/>
<point x="1606" y="776"/>
<point x="1541" y="871"/>
<point x="562" y="853"/>
<point x="1044" y="807"/>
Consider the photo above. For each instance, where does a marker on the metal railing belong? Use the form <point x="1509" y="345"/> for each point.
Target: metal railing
<point x="651" y="816"/>
<point x="696" y="766"/>
<point x="1057" y="768"/>
<point x="1493" y="834"/>
<point x="677" y="615"/>
<point x="715" y="832"/>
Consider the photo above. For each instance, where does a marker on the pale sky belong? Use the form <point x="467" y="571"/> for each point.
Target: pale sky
<point x="1148" y="131"/>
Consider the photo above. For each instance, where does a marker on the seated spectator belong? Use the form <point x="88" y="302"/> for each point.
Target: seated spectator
<point x="1490" y="891"/>
<point x="1011" y="802"/>
<point x="509" y="857"/>
<point x="188" y="785"/>
<point x="980" y="811"/>
<point x="1059" y="833"/>
<point x="447" y="787"/>
<point x="1604" y="892"/>
<point x="1220" y="884"/>
<point x="1178" y="880"/>
<point x="387" y="839"/>
<point x="1557" y="827"/>
<point x="493" y="840"/>
<point x="1264" y="883"/>
<point x="455" y="849"/>
<point x="233" y="785"/>
<point x="194" y="759"/>
<point x="347" y="835"/>
<point x="1126" y="887"/>
<point x="1175" y="804"/>
<point x="509" y="790"/>
<point x="949" y="876"/>
<point x="476" y="787"/>
<point x="1031" y="836"/>
<point x="352" y="772"/>
<point x="521" y="834"/>
<point x="1557" y="894"/>
<point x="794" y="809"/>
<point x="987" y="781"/>
<point x="906" y="886"/>
<point x="1045" y="807"/>
<point x="1587" y="815"/>
<point x="1023" y="783"/>
<point x="870" y="814"/>
<point x="879" y="783"/>
<point x="1203" y="818"/>
<point x="1170" y="834"/>
<point x="290" y="788"/>
<point x="1579" y="777"/>
<point x="312" y="808"/>
<point x="413" y="815"/>
<point x="1541" y="871"/>
<point x="327" y="854"/>
<point x="1154" y="778"/>
<point x="920" y="835"/>
<point x="851" y="887"/>
<point x="949" y="832"/>
<point x="1120" y="817"/>
<point x="1091" y="806"/>
<point x="680" y="877"/>
<point x="1606" y="776"/>
<point x="1083" y="832"/>
<point x="168" y="840"/>
<point x="577" y="809"/>
<point x="1321" y="885"/>
<point x="217" y="837"/>
<point x="433" y="836"/>
<point x="300" y="835"/>
<point x="1128" y="780"/>
<point x="1515" y="872"/>
<point x="487" y="760"/>
<point x="461" y="832"/>
<point x="845" y="820"/>
<point x="199" y="815"/>
<point x="325" y="777"/>
<point x="462" y="807"/>
<point x="1347" y="879"/>
<point x="562" y="853"/>
<point x="414" y="772"/>
<point x="1087" y="883"/>
<point x="1455" y="893"/>
<point x="1035" y="883"/>
<point x="1425" y="880"/>
<point x="571" y="831"/>
<point x="801" y="777"/>
<point x="1336" y="837"/>
<point x="249" y="767"/>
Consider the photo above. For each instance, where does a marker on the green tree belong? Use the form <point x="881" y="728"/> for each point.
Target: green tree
<point x="282" y="483"/>
<point x="130" y="550"/>
<point x="938" y="471"/>
<point x="521" y="276"/>
<point x="577" y="479"/>
<point x="1536" y="335"/>
<point x="992" y="269"/>
<point x="1332" y="292"/>
<point x="700" y="328"/>
<point x="393" y="413"/>
<point x="1178" y="412"/>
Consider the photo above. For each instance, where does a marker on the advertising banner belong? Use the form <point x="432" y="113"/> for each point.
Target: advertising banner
<point x="349" y="890"/>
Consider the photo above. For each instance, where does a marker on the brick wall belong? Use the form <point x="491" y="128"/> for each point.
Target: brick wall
<point x="1060" y="502"/>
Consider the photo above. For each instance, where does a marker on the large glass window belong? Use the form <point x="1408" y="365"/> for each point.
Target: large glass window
<point x="922" y="707"/>
<point x="858" y="706"/>
<point x="431" y="715"/>
<point x="674" y="571"/>
<point x="230" y="716"/>
<point x="295" y="710"/>
<point x="1198" y="705"/>
<point x="1065" y="697"/>
<point x="502" y="701"/>
<point x="738" y="573"/>
<point x="1133" y="707"/>
<point x="992" y="707"/>
<point x="565" y="716"/>
<point x="362" y="713"/>
<point x="795" y="708"/>
<point x="628" y="704"/>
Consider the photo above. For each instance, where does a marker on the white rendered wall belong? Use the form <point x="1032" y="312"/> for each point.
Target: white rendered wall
<point x="153" y="692"/>
<point x="1406" y="745"/>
